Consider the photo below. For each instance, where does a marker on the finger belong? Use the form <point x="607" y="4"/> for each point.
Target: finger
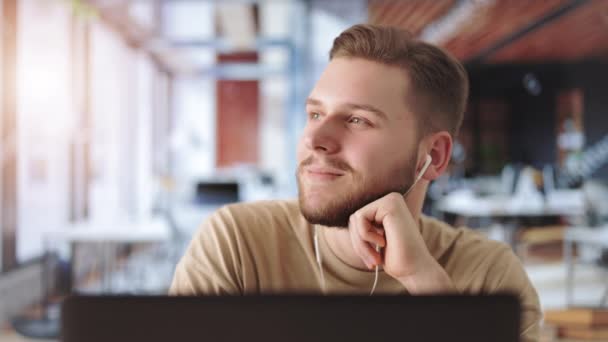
<point x="393" y="214"/>
<point x="364" y="249"/>
<point x="378" y="229"/>
<point x="373" y="238"/>
<point x="367" y="231"/>
<point x="368" y="254"/>
<point x="373" y="255"/>
<point x="376" y="211"/>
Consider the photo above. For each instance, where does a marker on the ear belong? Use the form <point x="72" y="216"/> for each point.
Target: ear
<point x="439" y="147"/>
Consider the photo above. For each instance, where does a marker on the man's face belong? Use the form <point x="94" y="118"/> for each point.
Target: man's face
<point x="359" y="142"/>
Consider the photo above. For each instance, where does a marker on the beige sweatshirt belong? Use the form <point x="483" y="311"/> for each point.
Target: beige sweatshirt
<point x="267" y="247"/>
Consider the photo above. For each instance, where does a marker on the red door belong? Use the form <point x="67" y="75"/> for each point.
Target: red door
<point x="237" y="116"/>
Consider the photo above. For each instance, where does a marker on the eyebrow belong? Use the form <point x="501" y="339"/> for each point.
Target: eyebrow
<point x="351" y="106"/>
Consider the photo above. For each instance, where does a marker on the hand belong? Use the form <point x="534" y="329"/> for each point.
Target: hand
<point x="388" y="223"/>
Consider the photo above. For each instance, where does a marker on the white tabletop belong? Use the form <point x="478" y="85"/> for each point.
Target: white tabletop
<point x="593" y="236"/>
<point x="465" y="203"/>
<point x="154" y="229"/>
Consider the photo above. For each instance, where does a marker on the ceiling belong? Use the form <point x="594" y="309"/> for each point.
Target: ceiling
<point x="475" y="31"/>
<point x="181" y="35"/>
<point x="503" y="31"/>
<point x="413" y="15"/>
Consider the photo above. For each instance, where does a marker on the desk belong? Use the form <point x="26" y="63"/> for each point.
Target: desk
<point x="110" y="234"/>
<point x="581" y="236"/>
<point x="469" y="205"/>
<point x="509" y="210"/>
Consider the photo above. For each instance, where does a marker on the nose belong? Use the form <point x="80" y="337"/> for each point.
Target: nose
<point x="322" y="136"/>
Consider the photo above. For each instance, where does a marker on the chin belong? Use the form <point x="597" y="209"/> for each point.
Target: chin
<point x="326" y="210"/>
<point x="313" y="202"/>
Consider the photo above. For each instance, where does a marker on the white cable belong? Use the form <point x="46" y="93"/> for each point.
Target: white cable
<point x="376" y="276"/>
<point x="427" y="162"/>
<point x="318" y="257"/>
<point x="426" y="165"/>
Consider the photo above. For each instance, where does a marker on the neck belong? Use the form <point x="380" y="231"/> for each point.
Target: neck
<point x="339" y="239"/>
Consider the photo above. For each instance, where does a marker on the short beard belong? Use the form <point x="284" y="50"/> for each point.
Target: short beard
<point x="338" y="210"/>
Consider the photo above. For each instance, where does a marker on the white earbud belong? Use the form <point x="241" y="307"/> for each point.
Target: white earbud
<point x="426" y="165"/>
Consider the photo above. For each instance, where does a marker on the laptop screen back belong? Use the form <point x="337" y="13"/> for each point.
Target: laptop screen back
<point x="291" y="318"/>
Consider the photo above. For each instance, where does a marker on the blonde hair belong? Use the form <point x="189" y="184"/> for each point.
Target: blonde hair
<point x="440" y="82"/>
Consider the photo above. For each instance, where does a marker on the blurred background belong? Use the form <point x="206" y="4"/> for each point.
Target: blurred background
<point x="124" y="123"/>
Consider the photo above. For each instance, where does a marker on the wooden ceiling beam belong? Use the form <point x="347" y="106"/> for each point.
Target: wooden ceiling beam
<point x="527" y="29"/>
<point x="581" y="35"/>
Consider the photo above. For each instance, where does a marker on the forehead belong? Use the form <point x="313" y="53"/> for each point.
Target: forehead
<point x="355" y="80"/>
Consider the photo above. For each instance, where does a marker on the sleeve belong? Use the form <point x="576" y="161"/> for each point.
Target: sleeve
<point x="508" y="275"/>
<point x="211" y="264"/>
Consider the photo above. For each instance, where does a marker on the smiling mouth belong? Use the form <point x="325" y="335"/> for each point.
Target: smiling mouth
<point x="322" y="174"/>
<point x="324" y="170"/>
<point x="328" y="173"/>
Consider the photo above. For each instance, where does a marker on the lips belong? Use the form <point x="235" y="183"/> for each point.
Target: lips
<point x="316" y="174"/>
<point x="324" y="171"/>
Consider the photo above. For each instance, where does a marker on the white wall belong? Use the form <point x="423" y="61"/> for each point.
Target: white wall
<point x="111" y="82"/>
<point x="123" y="80"/>
<point x="145" y="183"/>
<point x="193" y="136"/>
<point x="44" y="119"/>
<point x="328" y="20"/>
<point x="193" y="139"/>
<point x="1" y="94"/>
<point x="123" y="97"/>
<point x="189" y="19"/>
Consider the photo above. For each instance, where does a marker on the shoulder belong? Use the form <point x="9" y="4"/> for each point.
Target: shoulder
<point x="251" y="219"/>
<point x="445" y="242"/>
<point x="261" y="215"/>
<point x="475" y="262"/>
<point x="279" y="211"/>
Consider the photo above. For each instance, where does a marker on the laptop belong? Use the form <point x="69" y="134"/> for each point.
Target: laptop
<point x="291" y="318"/>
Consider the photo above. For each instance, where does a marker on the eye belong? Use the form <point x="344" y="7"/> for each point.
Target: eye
<point x="314" y="116"/>
<point x="356" y="120"/>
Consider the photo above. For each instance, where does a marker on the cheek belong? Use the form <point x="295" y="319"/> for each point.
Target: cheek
<point x="300" y="151"/>
<point x="374" y="161"/>
<point x="362" y="159"/>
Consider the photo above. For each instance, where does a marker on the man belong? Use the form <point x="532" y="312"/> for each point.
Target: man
<point x="383" y="104"/>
